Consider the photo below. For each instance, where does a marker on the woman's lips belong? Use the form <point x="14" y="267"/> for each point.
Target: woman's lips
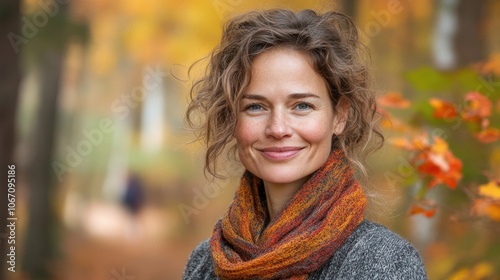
<point x="280" y="153"/>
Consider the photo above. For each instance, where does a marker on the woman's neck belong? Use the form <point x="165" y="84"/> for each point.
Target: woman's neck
<point x="277" y="195"/>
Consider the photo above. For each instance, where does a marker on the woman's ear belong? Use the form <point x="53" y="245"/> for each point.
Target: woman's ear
<point x="341" y="113"/>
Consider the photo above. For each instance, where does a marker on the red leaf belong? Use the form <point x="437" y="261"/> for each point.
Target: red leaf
<point x="426" y="208"/>
<point x="443" y="109"/>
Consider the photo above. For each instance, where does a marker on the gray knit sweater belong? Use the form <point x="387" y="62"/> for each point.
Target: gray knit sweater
<point x="371" y="252"/>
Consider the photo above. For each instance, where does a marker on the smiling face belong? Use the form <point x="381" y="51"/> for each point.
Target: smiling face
<point x="286" y="121"/>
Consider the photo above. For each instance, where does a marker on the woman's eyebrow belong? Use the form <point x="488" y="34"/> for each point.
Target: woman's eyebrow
<point x="291" y="96"/>
<point x="254" y="96"/>
<point x="302" y="95"/>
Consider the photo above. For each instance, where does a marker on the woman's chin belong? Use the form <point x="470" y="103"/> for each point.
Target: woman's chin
<point x="282" y="178"/>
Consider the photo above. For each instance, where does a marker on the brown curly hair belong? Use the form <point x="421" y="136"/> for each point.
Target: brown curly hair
<point x="332" y="41"/>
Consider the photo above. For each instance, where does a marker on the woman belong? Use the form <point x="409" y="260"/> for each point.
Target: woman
<point x="292" y="90"/>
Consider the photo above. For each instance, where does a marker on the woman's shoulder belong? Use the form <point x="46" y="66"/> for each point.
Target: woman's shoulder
<point x="373" y="251"/>
<point x="200" y="264"/>
<point x="379" y="237"/>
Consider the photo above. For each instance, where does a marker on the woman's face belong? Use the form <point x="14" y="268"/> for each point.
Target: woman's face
<point x="286" y="121"/>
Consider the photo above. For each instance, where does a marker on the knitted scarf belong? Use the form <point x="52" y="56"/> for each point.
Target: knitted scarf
<point x="317" y="220"/>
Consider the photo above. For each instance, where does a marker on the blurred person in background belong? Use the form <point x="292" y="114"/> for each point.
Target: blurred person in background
<point x="133" y="200"/>
<point x="293" y="92"/>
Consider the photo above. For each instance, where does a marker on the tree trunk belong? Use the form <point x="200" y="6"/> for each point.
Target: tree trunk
<point x="470" y="39"/>
<point x="9" y="83"/>
<point x="39" y="244"/>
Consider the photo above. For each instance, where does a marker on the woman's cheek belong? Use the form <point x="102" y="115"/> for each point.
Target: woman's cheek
<point x="315" y="132"/>
<point x="245" y="131"/>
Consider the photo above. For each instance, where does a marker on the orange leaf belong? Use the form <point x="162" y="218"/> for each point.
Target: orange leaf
<point x="443" y="109"/>
<point x="478" y="107"/>
<point x="488" y="135"/>
<point x="390" y="122"/>
<point x="492" y="65"/>
<point x="438" y="162"/>
<point x="487" y="207"/>
<point x="426" y="208"/>
<point x="491" y="190"/>
<point x="449" y="179"/>
<point x="421" y="142"/>
<point x="402" y="143"/>
<point x="454" y="173"/>
<point x="386" y="123"/>
<point x="393" y="100"/>
<point x="433" y="159"/>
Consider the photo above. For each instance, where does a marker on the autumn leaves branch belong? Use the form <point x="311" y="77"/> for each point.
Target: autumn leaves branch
<point x="429" y="154"/>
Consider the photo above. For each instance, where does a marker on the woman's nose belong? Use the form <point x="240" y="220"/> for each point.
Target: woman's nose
<point x="278" y="125"/>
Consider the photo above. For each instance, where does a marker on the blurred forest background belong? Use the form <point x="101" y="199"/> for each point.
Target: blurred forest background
<point x="109" y="183"/>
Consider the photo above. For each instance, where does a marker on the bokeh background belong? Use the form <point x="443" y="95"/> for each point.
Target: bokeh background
<point x="109" y="179"/>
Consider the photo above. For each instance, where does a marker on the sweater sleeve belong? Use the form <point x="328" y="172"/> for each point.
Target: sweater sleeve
<point x="200" y="265"/>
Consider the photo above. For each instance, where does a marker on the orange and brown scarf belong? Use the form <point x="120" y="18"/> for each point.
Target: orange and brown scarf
<point x="303" y="235"/>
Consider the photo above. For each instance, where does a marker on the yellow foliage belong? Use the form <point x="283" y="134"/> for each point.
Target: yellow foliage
<point x="440" y="146"/>
<point x="138" y="39"/>
<point x="30" y="6"/>
<point x="491" y="190"/>
<point x="103" y="54"/>
<point x="144" y="8"/>
<point x="422" y="9"/>
<point x="103" y="29"/>
<point x="477" y="272"/>
<point x="103" y="59"/>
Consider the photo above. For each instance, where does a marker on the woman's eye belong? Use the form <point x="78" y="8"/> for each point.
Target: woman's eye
<point x="303" y="106"/>
<point x="253" y="107"/>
